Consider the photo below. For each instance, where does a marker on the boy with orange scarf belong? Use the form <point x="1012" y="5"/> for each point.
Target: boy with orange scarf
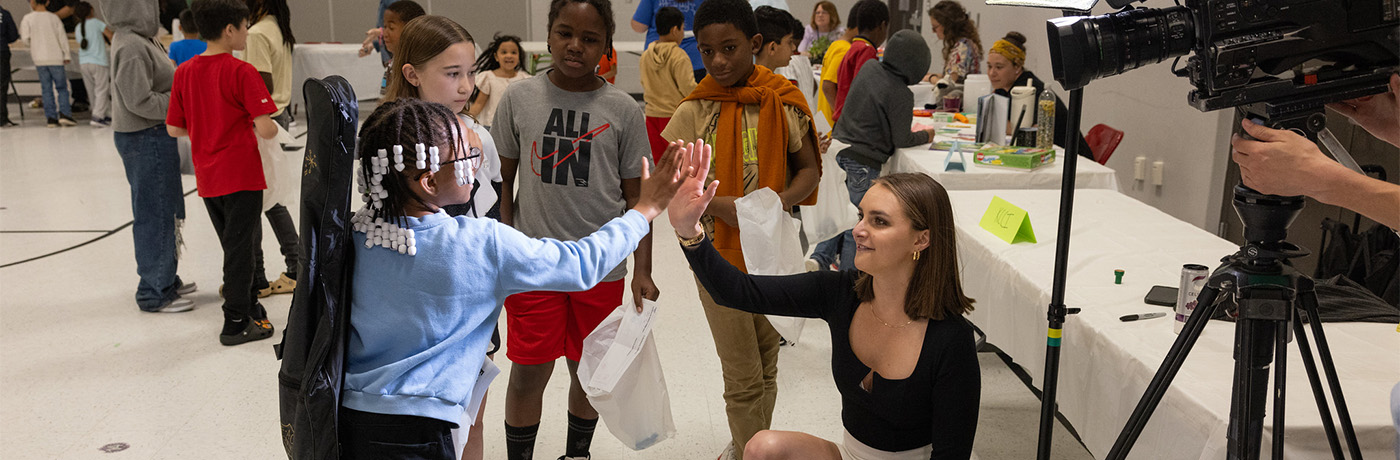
<point x="763" y="136"/>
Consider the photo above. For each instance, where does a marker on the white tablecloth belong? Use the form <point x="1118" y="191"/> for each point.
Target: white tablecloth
<point x="1088" y="174"/>
<point x="325" y="59"/>
<point x="1106" y="364"/>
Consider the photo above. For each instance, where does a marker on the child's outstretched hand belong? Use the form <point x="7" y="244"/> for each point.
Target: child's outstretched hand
<point x="367" y="46"/>
<point x="659" y="185"/>
<point x="694" y="195"/>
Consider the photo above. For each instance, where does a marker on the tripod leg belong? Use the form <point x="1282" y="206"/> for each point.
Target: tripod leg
<point x="1318" y="394"/>
<point x="1280" y="384"/>
<point x="1205" y="308"/>
<point x="1309" y="300"/>
<point x="1253" y="355"/>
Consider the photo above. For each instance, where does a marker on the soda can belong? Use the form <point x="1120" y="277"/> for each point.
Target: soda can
<point x="1193" y="279"/>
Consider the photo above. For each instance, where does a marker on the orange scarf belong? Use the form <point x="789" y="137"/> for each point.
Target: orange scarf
<point x="770" y="92"/>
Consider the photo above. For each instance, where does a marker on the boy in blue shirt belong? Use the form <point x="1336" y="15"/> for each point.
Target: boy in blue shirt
<point x="191" y="46"/>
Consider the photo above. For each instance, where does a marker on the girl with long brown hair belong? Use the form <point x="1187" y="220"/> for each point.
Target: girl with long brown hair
<point x="962" y="48"/>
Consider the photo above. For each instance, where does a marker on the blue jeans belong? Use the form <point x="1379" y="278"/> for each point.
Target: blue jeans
<point x="52" y="77"/>
<point x="153" y="171"/>
<point x="858" y="178"/>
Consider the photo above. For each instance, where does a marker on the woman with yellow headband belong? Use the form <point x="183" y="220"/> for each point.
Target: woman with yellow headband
<point x="1006" y="68"/>
<point x="1006" y="64"/>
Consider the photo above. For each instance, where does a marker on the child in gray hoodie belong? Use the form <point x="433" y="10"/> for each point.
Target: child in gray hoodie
<point x="141" y="80"/>
<point x="874" y="123"/>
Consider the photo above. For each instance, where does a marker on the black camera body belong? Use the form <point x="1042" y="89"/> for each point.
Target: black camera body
<point x="1278" y="56"/>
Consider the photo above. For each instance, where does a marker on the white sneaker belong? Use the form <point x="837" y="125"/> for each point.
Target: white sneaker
<point x="812" y="265"/>
<point x="178" y="305"/>
<point x="728" y="453"/>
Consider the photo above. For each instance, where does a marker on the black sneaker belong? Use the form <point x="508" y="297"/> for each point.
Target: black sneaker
<point x="66" y="120"/>
<point x="6" y="123"/>
<point x="254" y="330"/>
<point x="52" y="123"/>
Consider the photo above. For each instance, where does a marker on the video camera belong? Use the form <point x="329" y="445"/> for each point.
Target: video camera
<point x="1280" y="57"/>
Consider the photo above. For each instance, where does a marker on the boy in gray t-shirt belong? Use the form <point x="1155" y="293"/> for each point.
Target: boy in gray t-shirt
<point x="576" y="145"/>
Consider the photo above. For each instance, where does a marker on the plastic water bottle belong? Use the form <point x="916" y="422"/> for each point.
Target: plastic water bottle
<point x="1045" y="136"/>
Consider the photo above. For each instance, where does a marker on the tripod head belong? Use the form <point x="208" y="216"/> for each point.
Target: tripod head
<point x="1266" y="220"/>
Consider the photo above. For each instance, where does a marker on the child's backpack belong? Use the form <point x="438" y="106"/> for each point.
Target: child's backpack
<point x="313" y="342"/>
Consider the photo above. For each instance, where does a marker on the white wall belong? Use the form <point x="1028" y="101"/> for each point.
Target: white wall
<point x="1148" y="104"/>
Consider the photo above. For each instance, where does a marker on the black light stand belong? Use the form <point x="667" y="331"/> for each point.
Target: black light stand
<point x="1057" y="310"/>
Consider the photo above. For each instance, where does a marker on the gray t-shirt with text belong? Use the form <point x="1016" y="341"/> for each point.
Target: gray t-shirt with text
<point x="574" y="149"/>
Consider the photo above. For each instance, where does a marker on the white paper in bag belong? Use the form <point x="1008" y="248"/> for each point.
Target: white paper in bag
<point x="488" y="372"/>
<point x="833" y="212"/>
<point x="768" y="236"/>
<point x="281" y="170"/>
<point x="620" y="371"/>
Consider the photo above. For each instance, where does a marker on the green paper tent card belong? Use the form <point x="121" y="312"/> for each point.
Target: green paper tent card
<point x="1008" y="222"/>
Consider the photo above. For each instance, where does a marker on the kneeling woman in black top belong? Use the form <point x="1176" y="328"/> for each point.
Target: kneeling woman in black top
<point x="901" y="353"/>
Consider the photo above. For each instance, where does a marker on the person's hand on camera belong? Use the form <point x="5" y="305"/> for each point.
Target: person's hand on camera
<point x="694" y="195"/>
<point x="1281" y="162"/>
<point x="1378" y="114"/>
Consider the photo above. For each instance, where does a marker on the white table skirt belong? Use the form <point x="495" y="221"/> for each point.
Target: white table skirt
<point x="1106" y="364"/>
<point x="325" y="59"/>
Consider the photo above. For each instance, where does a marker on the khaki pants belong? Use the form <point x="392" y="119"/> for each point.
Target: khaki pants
<point x="748" y="356"/>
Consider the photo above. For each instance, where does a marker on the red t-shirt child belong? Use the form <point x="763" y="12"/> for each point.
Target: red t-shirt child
<point x="216" y="98"/>
<point x="861" y="51"/>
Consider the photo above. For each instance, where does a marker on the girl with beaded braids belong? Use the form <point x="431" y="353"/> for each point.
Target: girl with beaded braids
<point x="427" y="287"/>
<point x="434" y="63"/>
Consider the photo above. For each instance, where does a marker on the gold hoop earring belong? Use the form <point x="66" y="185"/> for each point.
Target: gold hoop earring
<point x="916" y="256"/>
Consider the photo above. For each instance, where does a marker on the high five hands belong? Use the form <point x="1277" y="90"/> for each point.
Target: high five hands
<point x="694" y="195"/>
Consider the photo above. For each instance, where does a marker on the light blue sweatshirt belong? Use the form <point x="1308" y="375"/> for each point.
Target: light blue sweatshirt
<point x="420" y="325"/>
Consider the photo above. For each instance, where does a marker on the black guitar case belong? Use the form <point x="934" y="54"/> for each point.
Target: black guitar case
<point x="313" y="342"/>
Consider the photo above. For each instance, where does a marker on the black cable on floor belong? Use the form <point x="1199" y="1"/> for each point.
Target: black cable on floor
<point x="79" y="245"/>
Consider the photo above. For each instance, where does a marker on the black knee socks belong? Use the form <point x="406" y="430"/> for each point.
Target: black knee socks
<point x="580" y="436"/>
<point x="520" y="441"/>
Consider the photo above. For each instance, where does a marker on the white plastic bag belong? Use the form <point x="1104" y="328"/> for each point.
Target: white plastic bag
<point x="771" y="246"/>
<point x="182" y="145"/>
<point x="488" y="372"/>
<point x="833" y="212"/>
<point x="620" y="371"/>
<point x="281" y="170"/>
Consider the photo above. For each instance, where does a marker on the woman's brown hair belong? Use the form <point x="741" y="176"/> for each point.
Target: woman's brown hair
<point x="422" y="39"/>
<point x="957" y="25"/>
<point x="935" y="290"/>
<point x="830" y="12"/>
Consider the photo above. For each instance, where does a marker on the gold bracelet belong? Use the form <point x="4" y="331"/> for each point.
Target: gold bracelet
<point x="690" y="243"/>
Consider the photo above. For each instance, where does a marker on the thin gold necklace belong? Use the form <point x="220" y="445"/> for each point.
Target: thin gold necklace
<point x="877" y="318"/>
